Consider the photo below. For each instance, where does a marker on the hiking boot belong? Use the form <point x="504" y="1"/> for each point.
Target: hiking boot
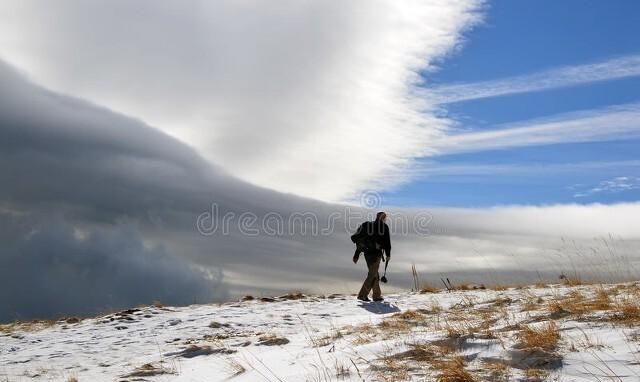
<point x="378" y="299"/>
<point x="366" y="299"/>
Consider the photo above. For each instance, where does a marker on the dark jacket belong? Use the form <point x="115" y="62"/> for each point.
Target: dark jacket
<point x="375" y="232"/>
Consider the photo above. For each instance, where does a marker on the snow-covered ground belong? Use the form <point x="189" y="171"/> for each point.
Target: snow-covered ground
<point x="332" y="338"/>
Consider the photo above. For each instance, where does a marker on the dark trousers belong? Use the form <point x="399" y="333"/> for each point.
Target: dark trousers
<point x="372" y="282"/>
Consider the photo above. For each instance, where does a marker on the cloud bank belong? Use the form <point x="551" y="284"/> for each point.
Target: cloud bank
<point x="99" y="212"/>
<point x="281" y="95"/>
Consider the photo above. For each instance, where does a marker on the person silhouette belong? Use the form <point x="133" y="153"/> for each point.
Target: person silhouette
<point x="372" y="238"/>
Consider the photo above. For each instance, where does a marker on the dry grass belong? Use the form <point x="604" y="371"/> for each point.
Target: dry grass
<point x="234" y="367"/>
<point x="556" y="309"/>
<point x="497" y="371"/>
<point x="361" y="334"/>
<point x="452" y="370"/>
<point x="149" y="370"/>
<point x="324" y="340"/>
<point x="342" y="370"/>
<point x="72" y="379"/>
<point x="486" y="326"/>
<point x="409" y="315"/>
<point x="538" y="343"/>
<point x="402" y="322"/>
<point x="459" y="324"/>
<point x="627" y="310"/>
<point x="433" y="308"/>
<point x="440" y="356"/>
<point x="530" y="301"/>
<point x="535" y="375"/>
<point x="499" y="287"/>
<point x="454" y="332"/>
<point x="394" y="326"/>
<point x="393" y="370"/>
<point x="602" y="300"/>
<point x="577" y="299"/>
<point x="424" y="353"/>
<point x="545" y="337"/>
<point x="571" y="280"/>
<point x="26" y="326"/>
<point x="575" y="303"/>
<point x="426" y="288"/>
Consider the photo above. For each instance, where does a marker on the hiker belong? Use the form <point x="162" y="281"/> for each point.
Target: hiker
<point x="372" y="238"/>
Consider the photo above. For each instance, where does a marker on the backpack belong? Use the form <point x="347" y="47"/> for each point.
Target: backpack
<point x="358" y="236"/>
<point x="361" y="238"/>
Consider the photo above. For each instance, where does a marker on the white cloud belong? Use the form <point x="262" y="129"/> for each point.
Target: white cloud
<point x="313" y="98"/>
<point x="621" y="67"/>
<point x="610" y="123"/>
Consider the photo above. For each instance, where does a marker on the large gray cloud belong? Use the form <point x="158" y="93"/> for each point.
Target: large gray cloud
<point x="92" y="193"/>
<point x="79" y="184"/>
<point x="48" y="268"/>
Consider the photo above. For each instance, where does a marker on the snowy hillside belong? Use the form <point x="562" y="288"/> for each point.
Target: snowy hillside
<point x="580" y="333"/>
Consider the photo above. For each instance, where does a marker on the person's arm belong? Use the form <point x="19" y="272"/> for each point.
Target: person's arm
<point x="387" y="241"/>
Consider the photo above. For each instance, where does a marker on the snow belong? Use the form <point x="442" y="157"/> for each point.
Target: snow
<point x="317" y="338"/>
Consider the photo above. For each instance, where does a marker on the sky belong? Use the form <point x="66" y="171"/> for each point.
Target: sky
<point x="587" y="55"/>
<point x="501" y="138"/>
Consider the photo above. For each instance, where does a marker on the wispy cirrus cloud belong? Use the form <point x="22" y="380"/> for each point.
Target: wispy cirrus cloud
<point x="609" y="123"/>
<point x="436" y="169"/>
<point x="613" y="185"/>
<point x="565" y="76"/>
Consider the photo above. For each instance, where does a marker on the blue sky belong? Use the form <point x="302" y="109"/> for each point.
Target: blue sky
<point x="523" y="38"/>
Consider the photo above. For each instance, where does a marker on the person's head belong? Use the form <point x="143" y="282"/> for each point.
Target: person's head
<point x="381" y="216"/>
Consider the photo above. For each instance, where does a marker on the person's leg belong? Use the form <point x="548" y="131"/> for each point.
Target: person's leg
<point x="377" y="293"/>
<point x="373" y="262"/>
<point x="365" y="289"/>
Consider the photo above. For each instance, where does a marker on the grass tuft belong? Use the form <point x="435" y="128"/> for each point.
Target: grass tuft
<point x="453" y="371"/>
<point x="545" y="337"/>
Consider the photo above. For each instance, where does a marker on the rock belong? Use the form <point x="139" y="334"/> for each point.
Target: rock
<point x="292" y="296"/>
<point x="218" y="325"/>
<point x="272" y="341"/>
